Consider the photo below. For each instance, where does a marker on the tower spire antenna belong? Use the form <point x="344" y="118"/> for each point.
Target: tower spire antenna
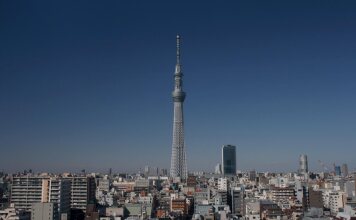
<point x="178" y="49"/>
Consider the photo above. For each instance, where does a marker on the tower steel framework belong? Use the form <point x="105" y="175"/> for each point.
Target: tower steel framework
<point x="178" y="159"/>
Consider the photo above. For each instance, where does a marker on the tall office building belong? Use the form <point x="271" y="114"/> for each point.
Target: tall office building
<point x="344" y="170"/>
<point x="229" y="160"/>
<point x="147" y="171"/>
<point x="178" y="159"/>
<point x="303" y="164"/>
<point x="337" y="170"/>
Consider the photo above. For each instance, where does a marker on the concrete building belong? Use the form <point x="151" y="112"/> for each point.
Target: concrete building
<point x="222" y="184"/>
<point x="315" y="198"/>
<point x="281" y="182"/>
<point x="12" y="214"/>
<point x="303" y="164"/>
<point x="44" y="211"/>
<point x="104" y="184"/>
<point x="238" y="201"/>
<point x="203" y="209"/>
<point x="333" y="200"/>
<point x="142" y="183"/>
<point x="59" y="192"/>
<point x="91" y="212"/>
<point x="302" y="194"/>
<point x="82" y="191"/>
<point x="306" y="198"/>
<point x="202" y="196"/>
<point x="281" y="194"/>
<point x="228" y="160"/>
<point x="114" y="212"/>
<point x="179" y="206"/>
<point x="59" y="195"/>
<point x="349" y="189"/>
<point x="147" y="170"/>
<point x="252" y="210"/>
<point x="221" y="198"/>
<point x="191" y="181"/>
<point x="344" y="170"/>
<point x="349" y="210"/>
<point x="138" y="210"/>
<point x="28" y="190"/>
<point x="124" y="186"/>
<point x="252" y="175"/>
<point x="218" y="169"/>
<point x="270" y="210"/>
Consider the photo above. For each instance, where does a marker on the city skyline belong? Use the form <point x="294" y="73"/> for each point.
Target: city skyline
<point x="87" y="85"/>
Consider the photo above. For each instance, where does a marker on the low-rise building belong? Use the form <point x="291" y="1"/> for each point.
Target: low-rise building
<point x="12" y="214"/>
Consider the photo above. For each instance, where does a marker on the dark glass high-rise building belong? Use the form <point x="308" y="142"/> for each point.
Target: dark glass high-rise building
<point x="229" y="160"/>
<point x="337" y="170"/>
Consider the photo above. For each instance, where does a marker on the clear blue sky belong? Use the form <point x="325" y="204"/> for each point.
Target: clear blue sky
<point x="87" y="84"/>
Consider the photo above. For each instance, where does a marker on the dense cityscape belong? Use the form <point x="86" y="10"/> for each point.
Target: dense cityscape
<point x="177" y="110"/>
<point x="153" y="194"/>
<point x="178" y="194"/>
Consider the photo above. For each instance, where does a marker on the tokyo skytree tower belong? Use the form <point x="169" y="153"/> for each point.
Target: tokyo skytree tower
<point x="178" y="160"/>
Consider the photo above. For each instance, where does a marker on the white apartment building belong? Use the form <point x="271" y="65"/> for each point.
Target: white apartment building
<point x="222" y="184"/>
<point x="333" y="200"/>
<point x="82" y="191"/>
<point x="28" y="190"/>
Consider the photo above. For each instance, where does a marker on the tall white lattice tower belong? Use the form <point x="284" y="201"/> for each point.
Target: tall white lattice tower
<point x="178" y="160"/>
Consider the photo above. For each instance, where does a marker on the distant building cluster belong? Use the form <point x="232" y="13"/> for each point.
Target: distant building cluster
<point x="152" y="194"/>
